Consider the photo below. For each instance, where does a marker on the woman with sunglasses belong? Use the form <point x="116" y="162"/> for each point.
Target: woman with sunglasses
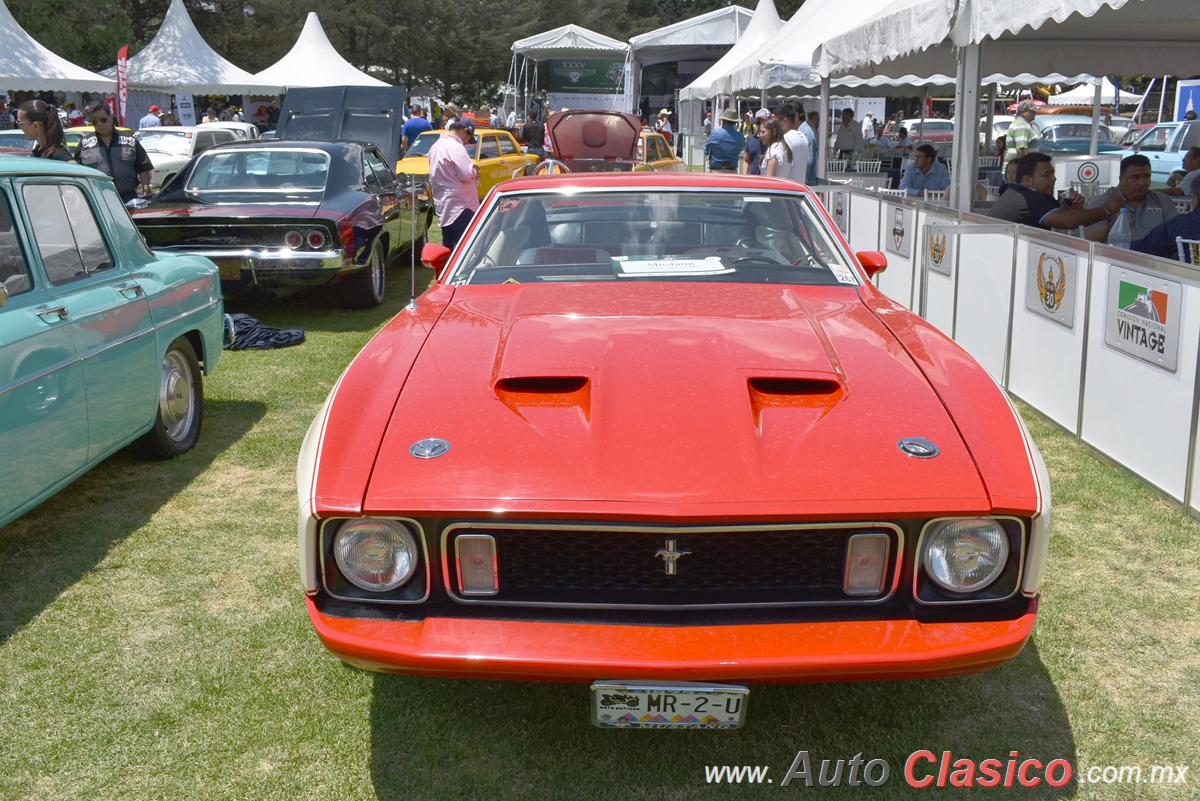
<point x="40" y="122"/>
<point x="116" y="154"/>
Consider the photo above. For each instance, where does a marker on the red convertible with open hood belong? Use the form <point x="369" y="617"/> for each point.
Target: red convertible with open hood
<point x="660" y="433"/>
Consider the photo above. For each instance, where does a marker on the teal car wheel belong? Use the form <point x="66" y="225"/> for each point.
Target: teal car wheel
<point x="180" y="405"/>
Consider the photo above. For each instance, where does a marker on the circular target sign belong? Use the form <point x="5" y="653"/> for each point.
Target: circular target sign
<point x="1089" y="173"/>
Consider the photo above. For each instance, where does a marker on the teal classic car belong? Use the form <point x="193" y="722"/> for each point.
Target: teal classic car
<point x="102" y="342"/>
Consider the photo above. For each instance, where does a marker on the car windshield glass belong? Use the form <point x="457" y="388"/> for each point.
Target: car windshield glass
<point x="1075" y="131"/>
<point x="655" y="235"/>
<point x="257" y="171"/>
<point x="172" y="143"/>
<point x="422" y="145"/>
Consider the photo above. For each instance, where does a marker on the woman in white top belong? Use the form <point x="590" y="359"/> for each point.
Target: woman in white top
<point x="777" y="160"/>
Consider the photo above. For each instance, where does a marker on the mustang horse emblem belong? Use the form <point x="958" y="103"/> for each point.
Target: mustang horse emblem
<point x="937" y="248"/>
<point x="671" y="556"/>
<point x="1051" y="291"/>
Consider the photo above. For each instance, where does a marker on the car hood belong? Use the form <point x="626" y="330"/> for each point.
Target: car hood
<point x="669" y="399"/>
<point x="594" y="135"/>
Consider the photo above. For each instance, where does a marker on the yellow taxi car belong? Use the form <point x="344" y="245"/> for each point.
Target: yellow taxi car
<point x="655" y="152"/>
<point x="495" y="152"/>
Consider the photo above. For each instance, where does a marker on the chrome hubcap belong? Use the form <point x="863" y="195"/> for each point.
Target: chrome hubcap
<point x="377" y="274"/>
<point x="175" y="399"/>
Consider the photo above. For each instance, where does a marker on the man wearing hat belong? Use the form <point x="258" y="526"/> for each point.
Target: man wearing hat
<point x="453" y="176"/>
<point x="151" y="119"/>
<point x="724" y="145"/>
<point x="1021" y="136"/>
<point x="663" y="126"/>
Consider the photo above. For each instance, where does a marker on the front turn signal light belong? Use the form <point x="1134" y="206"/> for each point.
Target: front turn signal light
<point x="475" y="557"/>
<point x="866" y="564"/>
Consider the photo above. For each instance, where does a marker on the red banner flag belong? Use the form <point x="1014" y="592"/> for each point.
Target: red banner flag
<point x="122" y="82"/>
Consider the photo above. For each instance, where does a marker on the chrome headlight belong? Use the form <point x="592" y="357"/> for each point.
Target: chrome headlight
<point x="965" y="555"/>
<point x="375" y="555"/>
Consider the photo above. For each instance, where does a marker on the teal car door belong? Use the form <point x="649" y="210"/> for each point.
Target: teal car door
<point x="106" y="309"/>
<point x="43" y="410"/>
<point x="1153" y="145"/>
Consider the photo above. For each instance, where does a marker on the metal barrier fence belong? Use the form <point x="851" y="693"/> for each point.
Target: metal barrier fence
<point x="1102" y="341"/>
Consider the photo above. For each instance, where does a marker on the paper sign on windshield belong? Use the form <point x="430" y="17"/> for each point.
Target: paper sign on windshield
<point x="712" y="265"/>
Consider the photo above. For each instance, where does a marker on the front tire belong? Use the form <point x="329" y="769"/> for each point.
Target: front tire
<point x="180" y="405"/>
<point x="364" y="288"/>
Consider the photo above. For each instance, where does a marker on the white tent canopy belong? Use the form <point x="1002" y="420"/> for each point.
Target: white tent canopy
<point x="26" y="65"/>
<point x="763" y="25"/>
<point x="693" y="38"/>
<point x="1085" y="94"/>
<point x="178" y="59"/>
<point x="1094" y="37"/>
<point x="313" y="61"/>
<point x="569" y="41"/>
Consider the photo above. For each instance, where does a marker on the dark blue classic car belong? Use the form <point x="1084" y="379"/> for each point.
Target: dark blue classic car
<point x="102" y="342"/>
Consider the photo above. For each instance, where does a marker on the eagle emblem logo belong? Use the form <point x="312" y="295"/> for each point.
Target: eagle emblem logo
<point x="937" y="248"/>
<point x="575" y="75"/>
<point x="1051" y="289"/>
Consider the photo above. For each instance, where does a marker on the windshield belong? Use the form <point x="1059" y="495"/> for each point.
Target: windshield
<point x="422" y="145"/>
<point x="172" y="143"/>
<point x="1075" y="131"/>
<point x="656" y="235"/>
<point x="249" y="170"/>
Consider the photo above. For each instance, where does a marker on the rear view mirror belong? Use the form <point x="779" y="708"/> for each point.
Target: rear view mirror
<point x="872" y="261"/>
<point x="435" y="256"/>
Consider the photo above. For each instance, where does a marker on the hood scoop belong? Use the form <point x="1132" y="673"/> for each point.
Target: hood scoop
<point x="561" y="391"/>
<point x="817" y="393"/>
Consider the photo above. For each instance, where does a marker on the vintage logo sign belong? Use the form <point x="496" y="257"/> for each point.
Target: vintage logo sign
<point x="1050" y="284"/>
<point x="897" y="236"/>
<point x="939" y="248"/>
<point x="1141" y="316"/>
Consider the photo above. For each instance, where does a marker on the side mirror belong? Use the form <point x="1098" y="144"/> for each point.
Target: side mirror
<point x="872" y="261"/>
<point x="3" y="294"/>
<point x="435" y="256"/>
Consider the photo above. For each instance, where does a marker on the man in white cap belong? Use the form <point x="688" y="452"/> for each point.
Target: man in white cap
<point x="725" y="144"/>
<point x="1021" y="138"/>
<point x="663" y="125"/>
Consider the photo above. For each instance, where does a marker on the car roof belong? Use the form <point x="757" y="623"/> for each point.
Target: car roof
<point x="651" y="180"/>
<point x="28" y="166"/>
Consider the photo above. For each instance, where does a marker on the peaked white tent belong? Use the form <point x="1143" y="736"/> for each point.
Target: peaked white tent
<point x="313" y="61"/>
<point x="27" y="65"/>
<point x="1085" y="93"/>
<point x="566" y="42"/>
<point x="178" y="59"/>
<point x="692" y="38"/>
<point x="763" y="24"/>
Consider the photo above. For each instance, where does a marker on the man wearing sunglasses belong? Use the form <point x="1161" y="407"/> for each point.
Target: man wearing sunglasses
<point x="119" y="155"/>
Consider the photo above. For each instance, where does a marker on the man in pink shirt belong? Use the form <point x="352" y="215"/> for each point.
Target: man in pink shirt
<point x="453" y="176"/>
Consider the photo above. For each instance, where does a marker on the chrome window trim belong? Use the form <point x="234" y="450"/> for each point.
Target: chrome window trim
<point x="454" y="595"/>
<point x="485" y="213"/>
<point x="117" y="343"/>
<point x="414" y="528"/>
<point x="495" y="565"/>
<point x="918" y="560"/>
<point x="887" y="554"/>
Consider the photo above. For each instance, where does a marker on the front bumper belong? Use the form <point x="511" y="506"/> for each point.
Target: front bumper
<point x="580" y="652"/>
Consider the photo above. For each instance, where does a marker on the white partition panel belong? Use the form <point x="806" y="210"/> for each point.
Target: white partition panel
<point x="939" y="278"/>
<point x="899" y="234"/>
<point x="983" y="298"/>
<point x="1046" y="355"/>
<point x="1141" y="365"/>
<point x="864" y="221"/>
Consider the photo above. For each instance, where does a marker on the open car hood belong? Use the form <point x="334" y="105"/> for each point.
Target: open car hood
<point x="595" y="135"/>
<point x="371" y="114"/>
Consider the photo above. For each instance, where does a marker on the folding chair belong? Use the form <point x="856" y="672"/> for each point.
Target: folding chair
<point x="1182" y="204"/>
<point x="867" y="165"/>
<point x="935" y="195"/>
<point x="892" y="192"/>
<point x="835" y="165"/>
<point x="1189" y="250"/>
<point x="989" y="161"/>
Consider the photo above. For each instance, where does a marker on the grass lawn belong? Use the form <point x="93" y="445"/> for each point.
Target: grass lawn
<point x="154" y="645"/>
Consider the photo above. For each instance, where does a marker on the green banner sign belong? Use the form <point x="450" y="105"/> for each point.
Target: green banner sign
<point x="587" y="75"/>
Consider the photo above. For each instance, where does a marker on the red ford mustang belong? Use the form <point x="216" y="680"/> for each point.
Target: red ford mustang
<point x="660" y="433"/>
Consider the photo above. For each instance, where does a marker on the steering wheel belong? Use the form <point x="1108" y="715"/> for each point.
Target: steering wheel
<point x="550" y="164"/>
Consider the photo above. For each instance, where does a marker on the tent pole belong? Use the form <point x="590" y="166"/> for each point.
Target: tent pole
<point x="823" y="129"/>
<point x="1096" y="118"/>
<point x="991" y="120"/>
<point x="966" y="112"/>
<point x="1137" y="112"/>
<point x="1162" y="96"/>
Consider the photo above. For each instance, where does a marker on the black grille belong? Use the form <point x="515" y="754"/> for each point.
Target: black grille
<point x="568" y="566"/>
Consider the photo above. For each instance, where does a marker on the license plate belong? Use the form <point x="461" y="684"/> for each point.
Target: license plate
<point x="231" y="269"/>
<point x="668" y="705"/>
